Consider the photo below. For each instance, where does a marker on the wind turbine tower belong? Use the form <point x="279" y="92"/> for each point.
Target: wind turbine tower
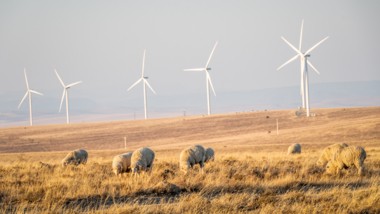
<point x="29" y="94"/>
<point x="144" y="79"/>
<point x="304" y="88"/>
<point x="206" y="69"/>
<point x="65" y="94"/>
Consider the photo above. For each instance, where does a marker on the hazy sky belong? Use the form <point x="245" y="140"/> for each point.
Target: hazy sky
<point x="102" y="42"/>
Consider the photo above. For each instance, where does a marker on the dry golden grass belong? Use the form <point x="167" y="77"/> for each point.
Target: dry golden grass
<point x="252" y="172"/>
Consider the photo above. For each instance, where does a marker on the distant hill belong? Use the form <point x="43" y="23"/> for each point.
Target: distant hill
<point x="253" y="130"/>
<point x="85" y="108"/>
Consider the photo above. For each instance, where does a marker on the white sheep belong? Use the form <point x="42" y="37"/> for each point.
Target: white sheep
<point x="142" y="160"/>
<point x="75" y="157"/>
<point x="328" y="153"/>
<point x="346" y="158"/>
<point x="294" y="149"/>
<point x="191" y="156"/>
<point x="122" y="163"/>
<point x="210" y="155"/>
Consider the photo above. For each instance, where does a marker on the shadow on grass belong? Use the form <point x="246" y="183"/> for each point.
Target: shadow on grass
<point x="171" y="193"/>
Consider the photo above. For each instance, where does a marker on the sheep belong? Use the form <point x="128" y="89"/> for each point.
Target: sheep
<point x="346" y="158"/>
<point x="142" y="159"/>
<point x="75" y="157"/>
<point x="294" y="149"/>
<point x="210" y="155"/>
<point x="122" y="163"/>
<point x="191" y="156"/>
<point x="328" y="153"/>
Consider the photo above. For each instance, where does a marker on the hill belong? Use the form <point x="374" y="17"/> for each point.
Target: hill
<point x="253" y="130"/>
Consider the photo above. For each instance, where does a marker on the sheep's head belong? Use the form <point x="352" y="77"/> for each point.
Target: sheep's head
<point x="117" y="170"/>
<point x="66" y="161"/>
<point x="330" y="168"/>
<point x="185" y="167"/>
<point x="321" y="161"/>
<point x="136" y="169"/>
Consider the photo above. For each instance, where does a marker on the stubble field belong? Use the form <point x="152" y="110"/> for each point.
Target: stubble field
<point x="251" y="173"/>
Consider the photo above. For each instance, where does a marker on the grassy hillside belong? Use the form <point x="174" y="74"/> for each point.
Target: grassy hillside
<point x="252" y="172"/>
<point x="356" y="125"/>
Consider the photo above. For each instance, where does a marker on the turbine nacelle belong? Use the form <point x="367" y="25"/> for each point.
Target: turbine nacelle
<point x="304" y="89"/>
<point x="64" y="94"/>
<point x="29" y="93"/>
<point x="144" y="80"/>
<point x="206" y="69"/>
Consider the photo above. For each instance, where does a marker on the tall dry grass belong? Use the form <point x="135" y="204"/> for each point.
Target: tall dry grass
<point x="252" y="172"/>
<point x="236" y="182"/>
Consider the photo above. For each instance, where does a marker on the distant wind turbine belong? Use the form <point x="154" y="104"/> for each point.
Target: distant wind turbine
<point x="208" y="78"/>
<point x="144" y="79"/>
<point x="65" y="94"/>
<point x="29" y="94"/>
<point x="304" y="68"/>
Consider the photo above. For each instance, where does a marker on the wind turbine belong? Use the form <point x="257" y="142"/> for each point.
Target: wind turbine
<point x="206" y="69"/>
<point x="304" y="68"/>
<point x="144" y="79"/>
<point x="65" y="94"/>
<point x="29" y="94"/>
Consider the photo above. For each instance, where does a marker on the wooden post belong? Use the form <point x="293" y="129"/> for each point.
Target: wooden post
<point x="277" y="125"/>
<point x="125" y="143"/>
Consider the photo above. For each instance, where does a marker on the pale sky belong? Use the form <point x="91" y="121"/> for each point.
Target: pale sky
<point x="102" y="42"/>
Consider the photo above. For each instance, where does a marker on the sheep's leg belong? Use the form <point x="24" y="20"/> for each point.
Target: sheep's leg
<point x="359" y="165"/>
<point x="201" y="164"/>
<point x="150" y="169"/>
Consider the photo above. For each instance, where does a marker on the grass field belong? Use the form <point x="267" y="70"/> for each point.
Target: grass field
<point x="251" y="173"/>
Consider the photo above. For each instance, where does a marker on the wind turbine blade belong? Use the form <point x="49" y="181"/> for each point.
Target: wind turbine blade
<point x="72" y="84"/>
<point x="26" y="79"/>
<point x="22" y="100"/>
<point x="287" y="62"/>
<point x="195" y="69"/>
<point x="316" y="45"/>
<point x="35" y="92"/>
<point x="63" y="97"/>
<point x="312" y="66"/>
<point x="294" y="48"/>
<point x="134" y="84"/>
<point x="143" y="65"/>
<point x="209" y="80"/>
<point x="59" y="78"/>
<point x="300" y="44"/>
<point x="147" y="83"/>
<point x="212" y="52"/>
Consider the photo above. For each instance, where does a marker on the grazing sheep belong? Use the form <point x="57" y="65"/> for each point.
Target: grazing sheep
<point x="122" y="163"/>
<point x="191" y="156"/>
<point x="328" y="153"/>
<point x="346" y="158"/>
<point x="75" y="157"/>
<point x="210" y="155"/>
<point x="294" y="149"/>
<point x="142" y="159"/>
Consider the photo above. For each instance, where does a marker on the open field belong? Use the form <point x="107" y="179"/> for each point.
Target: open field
<point x="252" y="172"/>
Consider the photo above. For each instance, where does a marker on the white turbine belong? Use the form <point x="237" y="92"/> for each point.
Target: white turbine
<point x="65" y="94"/>
<point x="208" y="78"/>
<point x="29" y="94"/>
<point x="145" y="83"/>
<point x="304" y="68"/>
